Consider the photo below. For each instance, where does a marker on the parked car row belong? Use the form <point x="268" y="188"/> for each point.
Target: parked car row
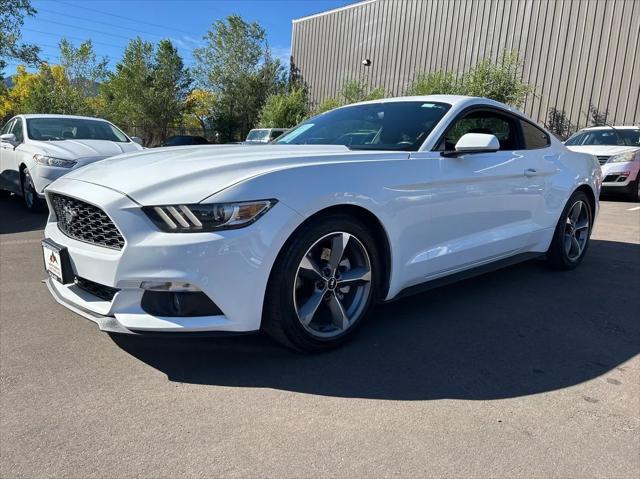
<point x="300" y="238"/>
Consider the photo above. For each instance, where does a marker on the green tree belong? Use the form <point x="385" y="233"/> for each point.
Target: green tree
<point x="148" y="89"/>
<point x="352" y="91"/>
<point x="47" y="91"/>
<point x="84" y="70"/>
<point x="12" y="15"/>
<point x="499" y="81"/>
<point x="235" y="63"/>
<point x="284" y="110"/>
<point x="435" y="83"/>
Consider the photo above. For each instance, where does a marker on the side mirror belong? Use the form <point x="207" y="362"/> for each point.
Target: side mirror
<point x="475" y="143"/>
<point x="8" y="138"/>
<point x="137" y="139"/>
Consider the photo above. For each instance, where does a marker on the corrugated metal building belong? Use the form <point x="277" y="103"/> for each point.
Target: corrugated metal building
<point x="575" y="52"/>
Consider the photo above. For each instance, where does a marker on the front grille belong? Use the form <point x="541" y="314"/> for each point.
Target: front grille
<point x="603" y="159"/>
<point x="100" y="290"/>
<point x="85" y="222"/>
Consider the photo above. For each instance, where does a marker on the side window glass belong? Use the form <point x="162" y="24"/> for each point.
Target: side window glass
<point x="17" y="130"/>
<point x="6" y="127"/>
<point x="491" y="123"/>
<point x="533" y="136"/>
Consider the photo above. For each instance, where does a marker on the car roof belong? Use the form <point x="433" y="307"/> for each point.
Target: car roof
<point x="606" y="127"/>
<point x="43" y="115"/>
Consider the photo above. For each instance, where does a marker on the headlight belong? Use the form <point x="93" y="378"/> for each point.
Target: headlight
<point x="626" y="156"/>
<point x="51" y="161"/>
<point x="207" y="217"/>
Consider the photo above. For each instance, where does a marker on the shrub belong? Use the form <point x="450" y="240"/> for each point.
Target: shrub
<point x="284" y="110"/>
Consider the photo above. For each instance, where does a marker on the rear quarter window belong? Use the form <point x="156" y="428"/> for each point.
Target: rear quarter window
<point x="533" y="136"/>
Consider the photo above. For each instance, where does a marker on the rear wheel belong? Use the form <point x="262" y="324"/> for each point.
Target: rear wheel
<point x="5" y="194"/>
<point x="322" y="285"/>
<point x="29" y="194"/>
<point x="571" y="237"/>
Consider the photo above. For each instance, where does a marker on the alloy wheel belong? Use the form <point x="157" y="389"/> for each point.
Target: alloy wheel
<point x="332" y="285"/>
<point x="576" y="231"/>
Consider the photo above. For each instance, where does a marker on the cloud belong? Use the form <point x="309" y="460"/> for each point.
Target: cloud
<point x="283" y="53"/>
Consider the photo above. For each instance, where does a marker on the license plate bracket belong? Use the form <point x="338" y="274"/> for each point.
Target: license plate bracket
<point x="56" y="262"/>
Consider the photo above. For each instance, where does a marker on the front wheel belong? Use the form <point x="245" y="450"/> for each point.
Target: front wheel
<point x="323" y="284"/>
<point x="633" y="190"/>
<point x="571" y="237"/>
<point x="29" y="194"/>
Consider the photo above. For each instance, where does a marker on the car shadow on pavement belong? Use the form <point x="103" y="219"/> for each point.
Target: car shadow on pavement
<point x="14" y="217"/>
<point x="518" y="331"/>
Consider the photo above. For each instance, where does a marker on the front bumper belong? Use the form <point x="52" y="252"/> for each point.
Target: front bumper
<point x="619" y="175"/>
<point x="231" y="267"/>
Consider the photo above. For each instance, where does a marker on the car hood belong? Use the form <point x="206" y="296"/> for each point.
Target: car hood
<point x="601" y="150"/>
<point x="189" y="174"/>
<point x="77" y="149"/>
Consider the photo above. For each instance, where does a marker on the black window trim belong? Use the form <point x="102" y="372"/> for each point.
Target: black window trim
<point x="501" y="111"/>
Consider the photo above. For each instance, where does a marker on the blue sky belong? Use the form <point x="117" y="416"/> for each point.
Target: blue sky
<point x="110" y="23"/>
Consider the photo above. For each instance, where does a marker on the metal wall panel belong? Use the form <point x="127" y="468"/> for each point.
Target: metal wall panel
<point x="575" y="52"/>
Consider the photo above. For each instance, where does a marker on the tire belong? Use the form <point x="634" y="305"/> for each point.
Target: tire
<point x="30" y="197"/>
<point x="633" y="190"/>
<point x="5" y="194"/>
<point x="573" y="231"/>
<point x="305" y="307"/>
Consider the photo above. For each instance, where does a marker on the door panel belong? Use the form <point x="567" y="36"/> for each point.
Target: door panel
<point x="481" y="210"/>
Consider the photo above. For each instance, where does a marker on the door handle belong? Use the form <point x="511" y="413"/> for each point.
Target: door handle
<point x="529" y="172"/>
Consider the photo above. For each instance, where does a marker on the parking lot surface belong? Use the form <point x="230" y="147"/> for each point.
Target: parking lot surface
<point x="523" y="372"/>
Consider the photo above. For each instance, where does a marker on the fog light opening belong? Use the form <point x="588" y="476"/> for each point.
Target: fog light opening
<point x="169" y="286"/>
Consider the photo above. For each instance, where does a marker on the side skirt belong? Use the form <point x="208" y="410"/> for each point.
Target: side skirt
<point x="466" y="274"/>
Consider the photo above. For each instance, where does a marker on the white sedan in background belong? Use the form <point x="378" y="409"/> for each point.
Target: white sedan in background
<point x="618" y="151"/>
<point x="300" y="238"/>
<point x="37" y="149"/>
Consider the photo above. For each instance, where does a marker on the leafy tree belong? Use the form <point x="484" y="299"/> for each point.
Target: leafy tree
<point x="47" y="91"/>
<point x="236" y="65"/>
<point x="352" y="91"/>
<point x="199" y="108"/>
<point x="12" y="14"/>
<point x="499" y="81"/>
<point x="284" y="110"/>
<point x="435" y="83"/>
<point x="84" y="70"/>
<point x="148" y="90"/>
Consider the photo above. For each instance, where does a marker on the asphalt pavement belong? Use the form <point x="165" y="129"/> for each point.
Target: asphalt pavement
<point x="524" y="372"/>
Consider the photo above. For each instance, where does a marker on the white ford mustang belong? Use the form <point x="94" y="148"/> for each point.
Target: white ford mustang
<point x="300" y="238"/>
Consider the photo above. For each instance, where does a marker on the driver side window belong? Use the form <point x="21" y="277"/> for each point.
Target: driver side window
<point x="488" y="122"/>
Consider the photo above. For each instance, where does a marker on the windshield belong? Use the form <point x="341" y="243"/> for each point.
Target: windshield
<point x="626" y="137"/>
<point x="57" y="129"/>
<point x="258" y="135"/>
<point x="400" y="125"/>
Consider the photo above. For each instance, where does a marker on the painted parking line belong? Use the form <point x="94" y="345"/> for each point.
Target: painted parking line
<point x="635" y="208"/>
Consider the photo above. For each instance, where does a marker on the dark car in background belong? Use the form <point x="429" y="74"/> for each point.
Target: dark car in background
<point x="182" y="140"/>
